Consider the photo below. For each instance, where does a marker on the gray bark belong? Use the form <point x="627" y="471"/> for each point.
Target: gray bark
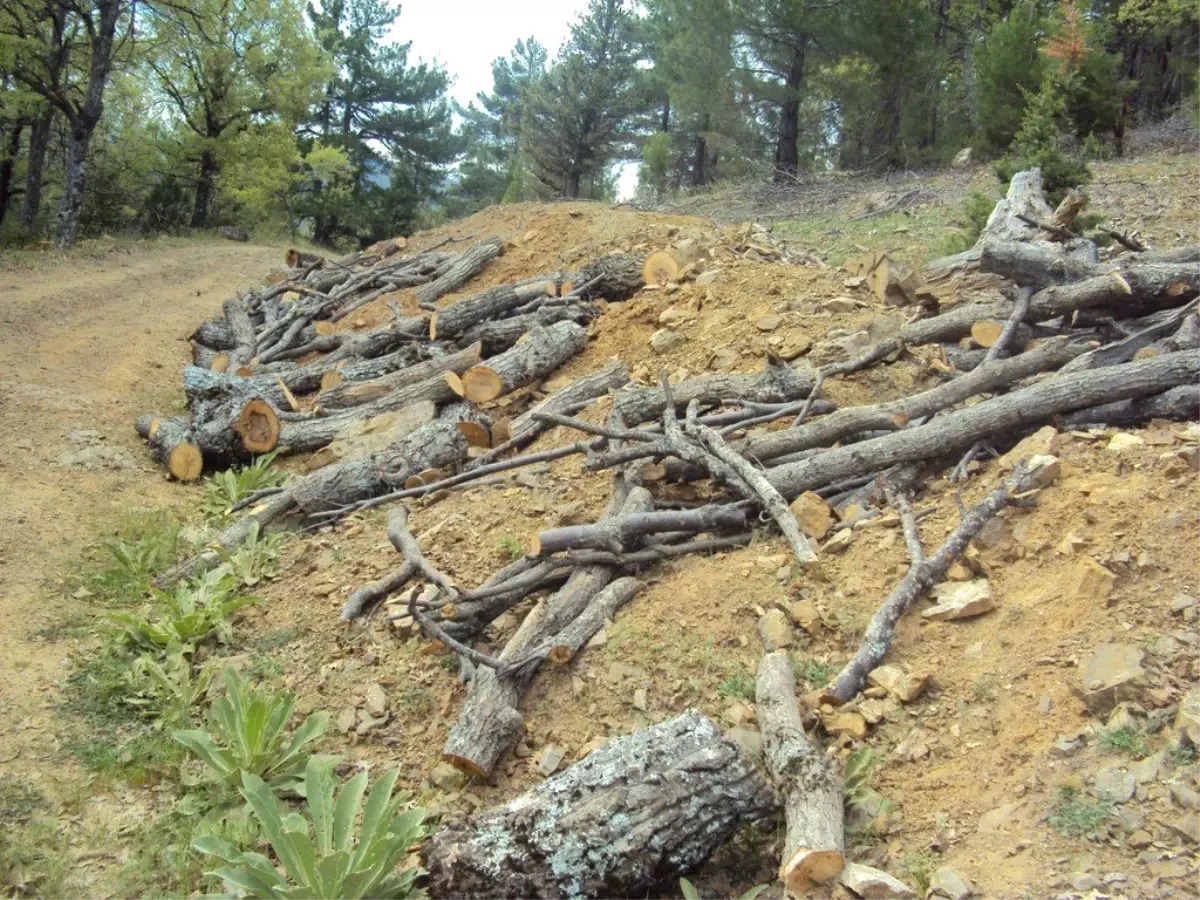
<point x="466" y="266"/>
<point x="778" y="382"/>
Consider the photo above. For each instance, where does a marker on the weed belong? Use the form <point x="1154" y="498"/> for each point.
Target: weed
<point x="279" y="637"/>
<point x="690" y="892"/>
<point x="1181" y="754"/>
<point x="918" y="868"/>
<point x="124" y="567"/>
<point x="857" y="775"/>
<point x="167" y="691"/>
<point x="187" y="616"/>
<point x="813" y="672"/>
<point x="33" y="859"/>
<point x="416" y="700"/>
<point x="254" y="559"/>
<point x="248" y="734"/>
<point x="19" y="800"/>
<point x="140" y="756"/>
<point x="510" y="546"/>
<point x="1126" y="740"/>
<point x="223" y="490"/>
<point x="1077" y="816"/>
<point x="739" y="685"/>
<point x="318" y="850"/>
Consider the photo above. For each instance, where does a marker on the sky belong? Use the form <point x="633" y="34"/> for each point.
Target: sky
<point x="466" y="35"/>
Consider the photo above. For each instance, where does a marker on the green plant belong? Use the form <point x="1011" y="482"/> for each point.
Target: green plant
<point x="1075" y="815"/>
<point x="167" y="691"/>
<point x="1041" y="142"/>
<point x="254" y="559"/>
<point x="224" y="490"/>
<point x="320" y="854"/>
<point x="919" y="868"/>
<point x="739" y="685"/>
<point x="188" y="615"/>
<point x="689" y="891"/>
<point x="1127" y="740"/>
<point x="509" y="545"/>
<point x="813" y="671"/>
<point x="856" y="777"/>
<point x="248" y="734"/>
<point x="125" y="566"/>
<point x="1181" y="754"/>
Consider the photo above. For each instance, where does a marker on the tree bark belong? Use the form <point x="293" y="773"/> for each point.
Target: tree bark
<point x="616" y="533"/>
<point x="642" y="809"/>
<point x="466" y="266"/>
<point x="8" y="162"/>
<point x="499" y="335"/>
<point x="777" y="383"/>
<point x="35" y="162"/>
<point x="358" y="393"/>
<point x="787" y="146"/>
<point x="486" y="306"/>
<point x="617" y="276"/>
<point x="542" y="351"/>
<point x="173" y="445"/>
<point x="232" y="418"/>
<point x="205" y="185"/>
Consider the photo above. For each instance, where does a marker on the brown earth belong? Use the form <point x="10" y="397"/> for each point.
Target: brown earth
<point x="980" y="740"/>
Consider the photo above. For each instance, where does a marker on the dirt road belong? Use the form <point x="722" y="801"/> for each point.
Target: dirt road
<point x="85" y="346"/>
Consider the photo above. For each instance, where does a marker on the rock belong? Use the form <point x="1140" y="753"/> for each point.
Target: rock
<point x="1186" y="826"/>
<point x="749" y="739"/>
<point x="1139" y="839"/>
<point x="1090" y="581"/>
<point x="992" y="534"/>
<point x="839" y="305"/>
<point x="368" y="723"/>
<point x="793" y="346"/>
<point x="769" y="322"/>
<point x="1182" y="602"/>
<point x="974" y="652"/>
<point x="914" y="747"/>
<point x="1120" y="717"/>
<point x="1043" y="442"/>
<point x="1082" y="881"/>
<point x="346" y="720"/>
<point x="996" y="819"/>
<point x="805" y="614"/>
<point x="1115" y="785"/>
<point x="549" y="759"/>
<point x="1123" y="440"/>
<point x="724" y="358"/>
<point x="874" y="711"/>
<point x="812" y="515"/>
<point x="1187" y="719"/>
<point x="775" y="630"/>
<point x="665" y="340"/>
<point x="849" y="723"/>
<point x="1112" y="673"/>
<point x="446" y="777"/>
<point x="671" y="317"/>
<point x="706" y="278"/>
<point x="839" y="543"/>
<point x="960" y="600"/>
<point x="839" y="349"/>
<point x="376" y="701"/>
<point x="904" y="686"/>
<point x="873" y="884"/>
<point x="962" y="158"/>
<point x="1043" y="471"/>
<point x="946" y="882"/>
<point x="1146" y="771"/>
<point x="640" y="700"/>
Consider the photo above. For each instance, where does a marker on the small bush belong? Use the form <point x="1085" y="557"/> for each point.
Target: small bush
<point x="813" y="672"/>
<point x="186" y="616"/>
<point x="919" y="868"/>
<point x="1077" y="816"/>
<point x="224" y="490"/>
<point x="125" y="566"/>
<point x="1129" y="741"/>
<point x="255" y="559"/>
<point x="738" y="685"/>
<point x="510" y="547"/>
<point x="1042" y="142"/>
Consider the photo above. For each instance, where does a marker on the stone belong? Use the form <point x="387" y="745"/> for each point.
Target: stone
<point x="793" y="346"/>
<point x="874" y="711"/>
<point x="1111" y="674"/>
<point x="1082" y="881"/>
<point x="1186" y="826"/>
<point x="376" y="700"/>
<point x="346" y="720"/>
<point x="848" y="723"/>
<point x="749" y="739"/>
<point x="671" y="317"/>
<point x="368" y="723"/>
<point x="873" y="884"/>
<point x="960" y="600"/>
<point x="904" y="686"/>
<point x="548" y="760"/>
<point x="805" y="614"/>
<point x="839" y="349"/>
<point x="1090" y="581"/>
<point x="993" y="533"/>
<point x="1114" y="784"/>
<point x="1043" y="471"/>
<point x="974" y="652"/>
<point x="914" y="747"/>
<point x="1120" y="717"/>
<point x="996" y="819"/>
<point x="665" y="340"/>
<point x="1187" y="719"/>
<point x="839" y="305"/>
<point x="1042" y="442"/>
<point x="946" y="882"/>
<point x="839" y="543"/>
<point x="724" y="359"/>
<point x="640" y="700"/>
<point x="706" y="278"/>
<point x="769" y="322"/>
<point x="962" y="158"/>
<point x="1139" y="839"/>
<point x="775" y="630"/>
<point x="1182" y="602"/>
<point x="446" y="777"/>
<point x="813" y="515"/>
<point x="1123" y="440"/>
<point x="1146" y="771"/>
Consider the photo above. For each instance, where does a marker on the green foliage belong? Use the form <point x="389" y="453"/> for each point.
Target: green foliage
<point x="739" y="685"/>
<point x="190" y="614"/>
<point x="1075" y="815"/>
<point x="1126" y="740"/>
<point x="167" y="690"/>
<point x="918" y="868"/>
<point x="689" y="891"/>
<point x="319" y="851"/>
<point x="856" y="778"/>
<point x="223" y="490"/>
<point x="510" y="546"/>
<point x="248" y="733"/>
<point x="125" y="566"/>
<point x="813" y="672"/>
<point x="1041" y="142"/>
<point x="1181" y="754"/>
<point x="1008" y="69"/>
<point x="977" y="207"/>
<point x="253" y="560"/>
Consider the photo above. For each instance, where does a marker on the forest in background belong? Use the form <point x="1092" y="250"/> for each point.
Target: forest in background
<point x="167" y="115"/>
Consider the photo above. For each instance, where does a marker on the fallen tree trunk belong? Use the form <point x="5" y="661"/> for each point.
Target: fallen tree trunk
<point x="1035" y="265"/>
<point x="776" y="383"/>
<point x="243" y="334"/>
<point x="488" y="305"/>
<point x="359" y="393"/>
<point x="466" y="266"/>
<point x="543" y="351"/>
<point x="815" y="842"/>
<point x="501" y="334"/>
<point x="617" y="276"/>
<point x="642" y="809"/>
<point x="957" y="430"/>
<point x="617" y="532"/>
<point x="214" y="333"/>
<point x="1180" y="403"/>
<point x="232" y="420"/>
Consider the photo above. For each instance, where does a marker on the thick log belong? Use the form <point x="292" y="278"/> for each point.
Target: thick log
<point x="1179" y="403"/>
<point x="617" y="276"/>
<point x="214" y="333"/>
<point x="243" y="333"/>
<point x="542" y="351"/>
<point x="776" y="383"/>
<point x="173" y="445"/>
<point x="811" y="790"/>
<point x="322" y="374"/>
<point x="616" y="533"/>
<point x="466" y="266"/>
<point x="359" y="392"/>
<point x="1010" y="414"/>
<point x="232" y="419"/>
<point x="474" y="423"/>
<point x="1036" y="265"/>
<point x="501" y="334"/>
<point x="640" y="810"/>
<point x="205" y="357"/>
<point x="487" y="305"/>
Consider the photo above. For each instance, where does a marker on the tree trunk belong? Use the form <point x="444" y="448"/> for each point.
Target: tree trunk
<point x="542" y="351"/>
<point x="787" y="149"/>
<point x="640" y="810"/>
<point x="205" y="185"/>
<point x="7" y="163"/>
<point x="35" y="160"/>
<point x="777" y="383"/>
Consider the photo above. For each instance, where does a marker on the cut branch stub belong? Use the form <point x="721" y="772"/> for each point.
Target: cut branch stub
<point x="258" y="427"/>
<point x="541" y="352"/>
<point x="172" y="444"/>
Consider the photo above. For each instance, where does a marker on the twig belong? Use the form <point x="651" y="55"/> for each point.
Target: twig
<point x="1128" y="241"/>
<point x="613" y="434"/>
<point x="871" y="356"/>
<point x="1064" y="233"/>
<point x="1020" y="309"/>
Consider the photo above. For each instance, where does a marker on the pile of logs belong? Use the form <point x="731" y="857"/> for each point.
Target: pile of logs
<point x="1072" y="341"/>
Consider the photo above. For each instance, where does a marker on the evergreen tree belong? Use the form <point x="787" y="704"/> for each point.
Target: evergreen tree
<point x="1008" y="66"/>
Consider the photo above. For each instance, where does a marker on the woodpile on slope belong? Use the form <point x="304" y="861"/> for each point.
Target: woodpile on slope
<point x="1071" y="341"/>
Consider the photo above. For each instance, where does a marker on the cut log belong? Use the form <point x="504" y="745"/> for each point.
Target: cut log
<point x="1068" y="210"/>
<point x="617" y="276"/>
<point x="232" y="418"/>
<point x="957" y="430"/>
<point x="214" y="333"/>
<point x="618" y="532"/>
<point x="659" y="268"/>
<point x="242" y="330"/>
<point x="466" y="266"/>
<point x="542" y="351"/>
<point x="1180" y="403"/>
<point x="298" y="259"/>
<point x="777" y="383"/>
<point x="172" y="445"/>
<point x="488" y="305"/>
<point x="640" y="810"/>
<point x="501" y="334"/>
<point x="986" y="332"/>
<point x="805" y="779"/>
<point x="205" y="357"/>
<point x="893" y="283"/>
<point x="1035" y="265"/>
<point x="358" y="392"/>
<point x="474" y="423"/>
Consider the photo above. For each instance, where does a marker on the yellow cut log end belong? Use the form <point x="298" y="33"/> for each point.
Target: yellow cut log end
<point x="660" y="268"/>
<point x="185" y="462"/>
<point x="480" y="384"/>
<point x="986" y="332"/>
<point x="809" y="867"/>
<point x="258" y="427"/>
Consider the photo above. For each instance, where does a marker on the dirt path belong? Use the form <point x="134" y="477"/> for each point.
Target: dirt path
<point x="85" y="346"/>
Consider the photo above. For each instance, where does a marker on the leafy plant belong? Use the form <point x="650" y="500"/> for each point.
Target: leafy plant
<point x="254" y="559"/>
<point x="1077" y="816"/>
<point x="813" y="671"/>
<point x="226" y="489"/>
<point x="127" y="564"/>
<point x="1181" y="754"/>
<point x="188" y="615"/>
<point x="167" y="691"/>
<point x="856" y="777"/>
<point x="739" y="685"/>
<point x="1127" y="740"/>
<point x="689" y="891"/>
<point x="919" y="868"/>
<point x="511" y="546"/>
<point x="320" y="854"/>
<point x="248" y="734"/>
